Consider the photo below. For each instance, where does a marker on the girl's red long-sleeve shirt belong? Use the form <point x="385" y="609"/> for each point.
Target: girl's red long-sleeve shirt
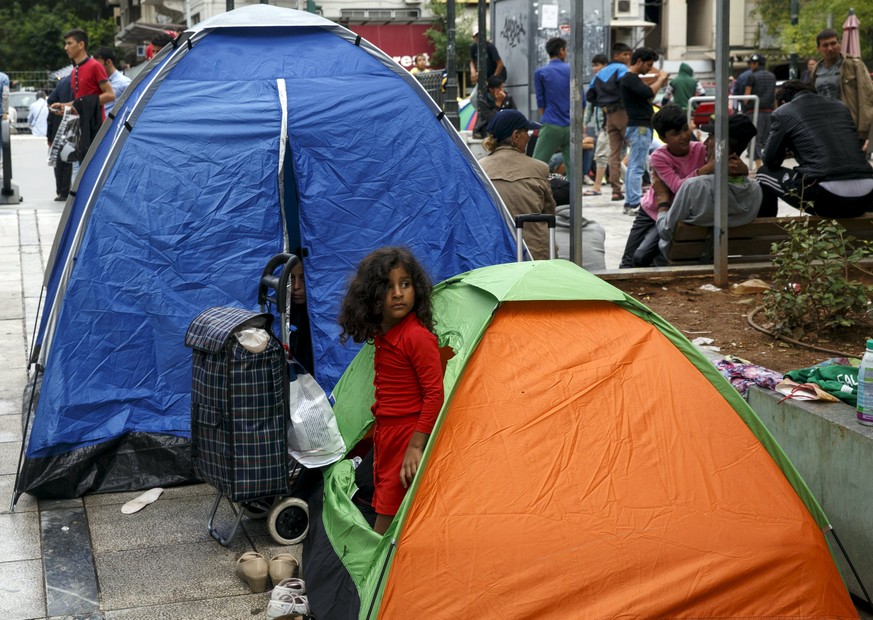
<point x="409" y="376"/>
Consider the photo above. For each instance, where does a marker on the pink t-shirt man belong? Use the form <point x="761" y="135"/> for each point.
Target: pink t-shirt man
<point x="673" y="170"/>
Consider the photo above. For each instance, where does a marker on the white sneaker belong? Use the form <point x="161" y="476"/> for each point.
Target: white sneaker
<point x="286" y="604"/>
<point x="586" y="180"/>
<point x="292" y="586"/>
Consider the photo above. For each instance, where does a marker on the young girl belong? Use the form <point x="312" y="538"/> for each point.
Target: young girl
<point x="388" y="302"/>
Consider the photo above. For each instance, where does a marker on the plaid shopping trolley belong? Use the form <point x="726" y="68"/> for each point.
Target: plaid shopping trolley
<point x="239" y="408"/>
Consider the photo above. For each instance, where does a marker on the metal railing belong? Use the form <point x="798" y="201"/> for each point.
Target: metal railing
<point x="33" y="80"/>
<point x="432" y="83"/>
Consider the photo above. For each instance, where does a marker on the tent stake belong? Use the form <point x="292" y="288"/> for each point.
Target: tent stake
<point x="382" y="575"/>
<point x="17" y="494"/>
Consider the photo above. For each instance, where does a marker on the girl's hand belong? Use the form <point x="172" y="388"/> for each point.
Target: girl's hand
<point x="412" y="458"/>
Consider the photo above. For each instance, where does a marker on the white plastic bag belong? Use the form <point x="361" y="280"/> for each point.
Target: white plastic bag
<point x="314" y="439"/>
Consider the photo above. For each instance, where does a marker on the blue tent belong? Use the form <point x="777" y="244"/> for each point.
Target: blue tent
<point x="261" y="130"/>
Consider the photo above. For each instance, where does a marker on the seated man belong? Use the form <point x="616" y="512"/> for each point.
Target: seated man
<point x="679" y="159"/>
<point x="494" y="99"/>
<point x="832" y="178"/>
<point x="694" y="203"/>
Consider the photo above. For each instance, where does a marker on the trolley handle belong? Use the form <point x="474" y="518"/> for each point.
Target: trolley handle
<point x="521" y="220"/>
<point x="279" y="284"/>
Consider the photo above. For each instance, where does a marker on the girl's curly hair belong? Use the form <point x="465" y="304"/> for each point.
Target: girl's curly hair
<point x="361" y="311"/>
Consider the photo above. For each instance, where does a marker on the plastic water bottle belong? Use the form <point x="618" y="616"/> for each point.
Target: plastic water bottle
<point x="865" y="387"/>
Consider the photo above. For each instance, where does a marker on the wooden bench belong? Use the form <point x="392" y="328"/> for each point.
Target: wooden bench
<point x="751" y="242"/>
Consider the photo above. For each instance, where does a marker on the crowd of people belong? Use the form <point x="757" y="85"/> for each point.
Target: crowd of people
<point x="90" y="91"/>
<point x="821" y="121"/>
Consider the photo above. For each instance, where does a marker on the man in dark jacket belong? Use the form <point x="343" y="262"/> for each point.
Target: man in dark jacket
<point x="763" y="84"/>
<point x="489" y="103"/>
<point x="63" y="91"/>
<point x="833" y="178"/>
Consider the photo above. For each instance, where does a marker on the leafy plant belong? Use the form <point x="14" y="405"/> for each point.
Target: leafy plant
<point x="31" y="33"/>
<point x="813" y="18"/>
<point x="439" y="37"/>
<point x="812" y="288"/>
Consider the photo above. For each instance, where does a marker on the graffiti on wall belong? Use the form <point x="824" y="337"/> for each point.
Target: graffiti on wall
<point x="513" y="32"/>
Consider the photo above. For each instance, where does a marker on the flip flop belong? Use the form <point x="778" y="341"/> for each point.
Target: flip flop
<point x="138" y="503"/>
<point x="618" y="197"/>
<point x="590" y="192"/>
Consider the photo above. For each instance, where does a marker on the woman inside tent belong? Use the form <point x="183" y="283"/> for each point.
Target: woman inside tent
<point x="300" y="334"/>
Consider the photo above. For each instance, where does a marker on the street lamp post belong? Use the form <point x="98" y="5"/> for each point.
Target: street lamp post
<point x="450" y="105"/>
<point x="792" y="59"/>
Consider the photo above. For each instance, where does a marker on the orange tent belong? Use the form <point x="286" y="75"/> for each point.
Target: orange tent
<point x="589" y="463"/>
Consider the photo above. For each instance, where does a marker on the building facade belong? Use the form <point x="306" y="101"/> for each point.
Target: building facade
<point x="680" y="30"/>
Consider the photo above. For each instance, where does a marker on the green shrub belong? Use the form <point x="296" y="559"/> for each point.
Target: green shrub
<point x="813" y="290"/>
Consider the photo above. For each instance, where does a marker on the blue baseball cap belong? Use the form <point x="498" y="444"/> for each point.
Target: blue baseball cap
<point x="507" y="121"/>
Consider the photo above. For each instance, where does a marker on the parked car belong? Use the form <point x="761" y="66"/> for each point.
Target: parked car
<point x="19" y="106"/>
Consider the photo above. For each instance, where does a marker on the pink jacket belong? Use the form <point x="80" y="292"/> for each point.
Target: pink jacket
<point x="673" y="170"/>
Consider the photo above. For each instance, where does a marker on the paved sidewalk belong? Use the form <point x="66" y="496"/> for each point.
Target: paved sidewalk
<point x="83" y="558"/>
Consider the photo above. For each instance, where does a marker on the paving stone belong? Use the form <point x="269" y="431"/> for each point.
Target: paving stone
<point x="19" y="536"/>
<point x="9" y="452"/>
<point x="12" y="382"/>
<point x="10" y="427"/>
<point x="12" y="343"/>
<point x="165" y="522"/>
<point x="21" y="590"/>
<point x="190" y="490"/>
<point x="70" y="580"/>
<point x="10" y="304"/>
<point x="10" y="406"/>
<point x="170" y="574"/>
<point x="28" y="232"/>
<point x="227" y="608"/>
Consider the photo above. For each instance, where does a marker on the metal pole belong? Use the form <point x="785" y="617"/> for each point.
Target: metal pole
<point x="188" y="23"/>
<point x="577" y="130"/>
<point x="450" y="105"/>
<point x="482" y="46"/>
<point x="792" y="58"/>
<point x="720" y="250"/>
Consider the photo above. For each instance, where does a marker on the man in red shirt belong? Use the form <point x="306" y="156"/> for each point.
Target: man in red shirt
<point x="89" y="76"/>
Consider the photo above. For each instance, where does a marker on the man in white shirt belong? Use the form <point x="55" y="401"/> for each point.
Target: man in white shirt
<point x="37" y="116"/>
<point x="117" y="79"/>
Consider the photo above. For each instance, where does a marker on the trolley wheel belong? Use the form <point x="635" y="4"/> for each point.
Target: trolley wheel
<point x="288" y="521"/>
<point x="257" y="509"/>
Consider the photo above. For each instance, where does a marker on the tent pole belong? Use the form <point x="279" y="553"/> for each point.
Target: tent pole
<point x="852" y="567"/>
<point x="391" y="548"/>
